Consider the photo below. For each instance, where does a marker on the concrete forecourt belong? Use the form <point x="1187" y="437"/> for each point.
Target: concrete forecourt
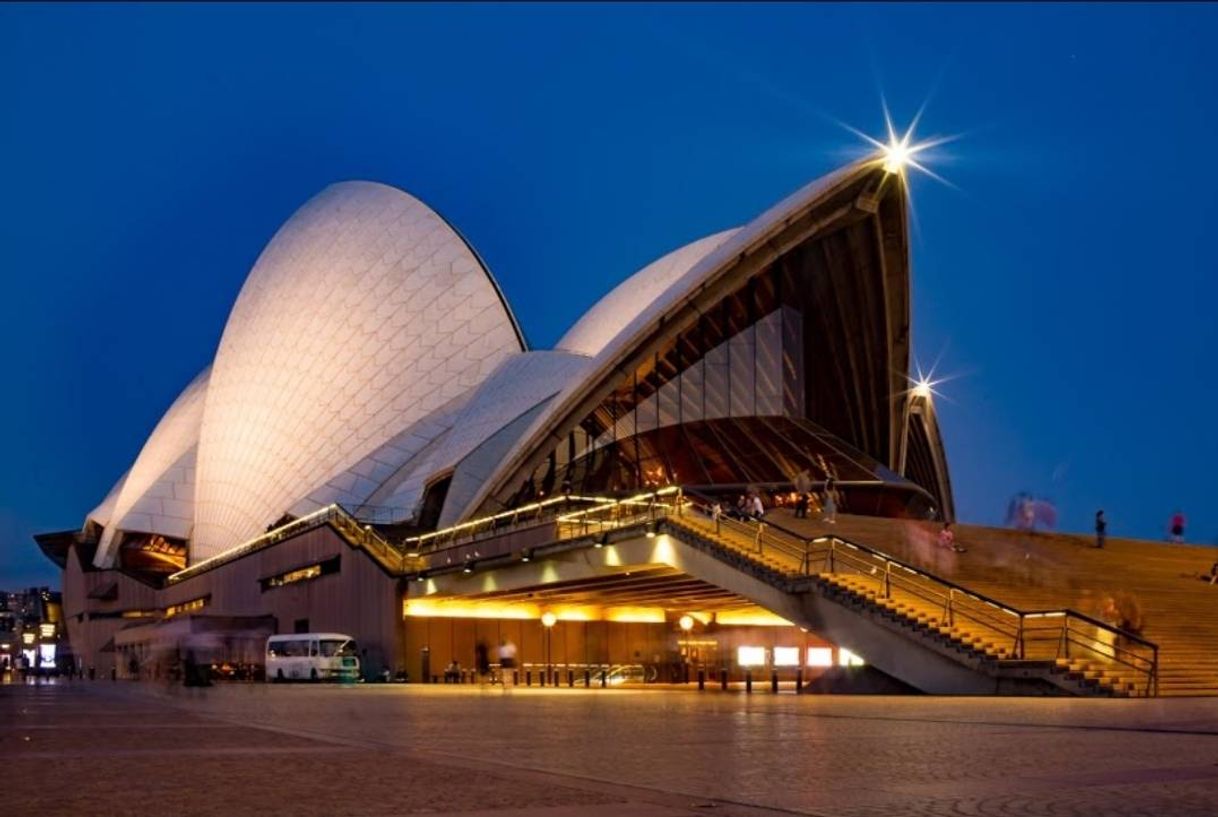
<point x="116" y="749"/>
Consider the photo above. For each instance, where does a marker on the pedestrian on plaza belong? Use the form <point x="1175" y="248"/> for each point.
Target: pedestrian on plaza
<point x="1177" y="526"/>
<point x="482" y="660"/>
<point x="507" y="661"/>
<point x="829" y="506"/>
<point x="803" y="487"/>
<point x="1101" y="528"/>
<point x="756" y="509"/>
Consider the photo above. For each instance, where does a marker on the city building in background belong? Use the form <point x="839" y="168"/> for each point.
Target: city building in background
<point x="32" y="636"/>
<point x="372" y="394"/>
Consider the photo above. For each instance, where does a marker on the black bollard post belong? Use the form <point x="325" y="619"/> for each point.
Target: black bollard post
<point x="587" y="679"/>
<point x="604" y="679"/>
<point x="723" y="680"/>
<point x="515" y="678"/>
<point x="799" y="681"/>
<point x="570" y="678"/>
<point x="748" y="681"/>
<point x="701" y="680"/>
<point x="528" y="678"/>
<point x="544" y="676"/>
<point x="687" y="673"/>
<point x="774" y="681"/>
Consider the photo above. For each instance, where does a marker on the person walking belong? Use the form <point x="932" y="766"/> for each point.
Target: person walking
<point x="482" y="661"/>
<point x="756" y="509"/>
<point x="1177" y="526"/>
<point x="507" y="662"/>
<point x="829" y="507"/>
<point x="1101" y="528"/>
<point x="803" y="487"/>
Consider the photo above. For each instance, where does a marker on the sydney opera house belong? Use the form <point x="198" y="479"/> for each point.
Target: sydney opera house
<point x="376" y="450"/>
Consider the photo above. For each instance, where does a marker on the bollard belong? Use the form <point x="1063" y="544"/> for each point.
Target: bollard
<point x="587" y="679"/>
<point x="686" y="674"/>
<point x="515" y="678"/>
<point x="544" y="676"/>
<point x="528" y="678"/>
<point x="723" y="679"/>
<point x="774" y="681"/>
<point x="604" y="679"/>
<point x="748" y="681"/>
<point x="799" y="681"/>
<point x="701" y="680"/>
<point x="570" y="678"/>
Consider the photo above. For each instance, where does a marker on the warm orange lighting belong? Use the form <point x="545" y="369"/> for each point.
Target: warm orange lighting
<point x="686" y="622"/>
<point x="549" y="619"/>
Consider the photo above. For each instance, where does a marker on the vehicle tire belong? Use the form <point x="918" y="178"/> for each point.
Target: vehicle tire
<point x="313" y="674"/>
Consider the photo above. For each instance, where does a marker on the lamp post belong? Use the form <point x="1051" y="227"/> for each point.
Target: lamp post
<point x="686" y="623"/>
<point x="548" y="619"/>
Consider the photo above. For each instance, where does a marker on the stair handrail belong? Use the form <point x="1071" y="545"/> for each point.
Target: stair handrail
<point x="961" y="600"/>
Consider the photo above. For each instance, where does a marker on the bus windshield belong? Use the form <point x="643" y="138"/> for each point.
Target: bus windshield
<point x="333" y="647"/>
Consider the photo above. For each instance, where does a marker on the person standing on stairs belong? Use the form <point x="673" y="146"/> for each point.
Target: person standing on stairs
<point x="947" y="538"/>
<point x="1177" y="526"/>
<point x="1101" y="528"/>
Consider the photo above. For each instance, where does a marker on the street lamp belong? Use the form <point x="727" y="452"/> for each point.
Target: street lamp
<point x="548" y="620"/>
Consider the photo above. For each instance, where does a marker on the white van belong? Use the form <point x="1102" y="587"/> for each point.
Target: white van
<point x="312" y="657"/>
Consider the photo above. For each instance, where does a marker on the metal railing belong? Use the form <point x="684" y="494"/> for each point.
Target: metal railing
<point x="1024" y="634"/>
<point x="357" y="533"/>
<point x="498" y="524"/>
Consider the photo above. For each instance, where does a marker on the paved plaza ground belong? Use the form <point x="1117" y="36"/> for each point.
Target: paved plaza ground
<point x="110" y="749"/>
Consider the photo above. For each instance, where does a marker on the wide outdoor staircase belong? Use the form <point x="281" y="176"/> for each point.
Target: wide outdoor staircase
<point x="1055" y="570"/>
<point x="1045" y="649"/>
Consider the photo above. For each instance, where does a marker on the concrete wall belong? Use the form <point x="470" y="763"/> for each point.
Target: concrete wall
<point x="360" y="600"/>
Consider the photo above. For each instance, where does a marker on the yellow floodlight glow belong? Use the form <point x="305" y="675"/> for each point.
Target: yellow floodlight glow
<point x="687" y="622"/>
<point x="751" y="618"/>
<point x="427" y="608"/>
<point x="634" y="615"/>
<point x="549" y="619"/>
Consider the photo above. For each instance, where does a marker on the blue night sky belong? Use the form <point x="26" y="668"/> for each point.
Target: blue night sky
<point x="148" y="153"/>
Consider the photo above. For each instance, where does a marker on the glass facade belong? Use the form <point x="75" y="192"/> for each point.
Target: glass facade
<point x="758" y="388"/>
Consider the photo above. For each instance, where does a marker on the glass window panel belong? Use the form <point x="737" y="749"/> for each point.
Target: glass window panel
<point x="768" y="373"/>
<point x="669" y="408"/>
<point x="691" y="393"/>
<point x="715" y="383"/>
<point x="742" y="362"/>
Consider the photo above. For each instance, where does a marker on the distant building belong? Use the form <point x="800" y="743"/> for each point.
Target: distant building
<point x="32" y="635"/>
<point x="371" y="364"/>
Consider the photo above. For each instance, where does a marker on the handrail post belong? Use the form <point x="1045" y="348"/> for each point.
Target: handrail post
<point x="887" y="579"/>
<point x="760" y="529"/>
<point x="949" y="608"/>
<point x="1020" y="650"/>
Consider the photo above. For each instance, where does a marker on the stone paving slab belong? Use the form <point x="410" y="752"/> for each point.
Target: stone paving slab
<point x="411" y="749"/>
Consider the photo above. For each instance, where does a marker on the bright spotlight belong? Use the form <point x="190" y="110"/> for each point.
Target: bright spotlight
<point x="897" y="155"/>
<point x="548" y="619"/>
<point x="922" y="389"/>
<point x="686" y="622"/>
